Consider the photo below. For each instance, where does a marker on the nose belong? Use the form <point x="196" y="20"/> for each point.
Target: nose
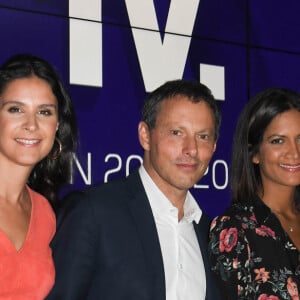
<point x="294" y="149"/>
<point x="30" y="122"/>
<point x="190" y="146"/>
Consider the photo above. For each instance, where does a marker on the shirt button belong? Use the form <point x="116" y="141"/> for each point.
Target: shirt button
<point x="180" y="267"/>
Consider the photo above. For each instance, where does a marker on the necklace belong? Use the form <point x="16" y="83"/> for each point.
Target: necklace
<point x="282" y="217"/>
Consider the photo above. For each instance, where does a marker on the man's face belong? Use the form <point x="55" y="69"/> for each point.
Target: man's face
<point x="179" y="148"/>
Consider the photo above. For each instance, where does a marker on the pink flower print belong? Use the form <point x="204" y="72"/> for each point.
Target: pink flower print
<point x="228" y="239"/>
<point x="213" y="224"/>
<point x="225" y="218"/>
<point x="248" y="256"/>
<point x="240" y="289"/>
<point x="262" y="274"/>
<point x="267" y="297"/>
<point x="248" y="251"/>
<point x="252" y="217"/>
<point x="292" y="289"/>
<point x="265" y="231"/>
<point x="235" y="263"/>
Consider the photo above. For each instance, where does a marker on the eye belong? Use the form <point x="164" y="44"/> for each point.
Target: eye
<point x="176" y="132"/>
<point x="276" y="141"/>
<point x="14" y="109"/>
<point x="45" y="112"/>
<point x="205" y="136"/>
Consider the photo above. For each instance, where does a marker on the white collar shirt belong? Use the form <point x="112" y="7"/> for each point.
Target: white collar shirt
<point x="183" y="264"/>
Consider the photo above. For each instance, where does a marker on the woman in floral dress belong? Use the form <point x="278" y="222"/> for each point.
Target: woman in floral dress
<point x="255" y="245"/>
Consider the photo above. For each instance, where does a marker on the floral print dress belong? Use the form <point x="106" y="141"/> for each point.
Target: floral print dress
<point x="252" y="257"/>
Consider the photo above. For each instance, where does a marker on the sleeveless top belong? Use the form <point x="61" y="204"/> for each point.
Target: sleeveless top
<point x="28" y="273"/>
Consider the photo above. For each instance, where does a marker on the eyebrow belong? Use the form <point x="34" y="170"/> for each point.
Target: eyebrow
<point x="275" y="135"/>
<point x="8" y="102"/>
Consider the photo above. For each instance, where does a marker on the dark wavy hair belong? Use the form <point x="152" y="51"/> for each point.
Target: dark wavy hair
<point x="193" y="90"/>
<point x="246" y="180"/>
<point x="48" y="175"/>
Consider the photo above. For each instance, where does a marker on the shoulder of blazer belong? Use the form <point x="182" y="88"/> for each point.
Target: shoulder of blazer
<point x="100" y="195"/>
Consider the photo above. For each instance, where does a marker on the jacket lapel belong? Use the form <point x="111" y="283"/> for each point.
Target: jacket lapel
<point x="140" y="209"/>
<point x="202" y="232"/>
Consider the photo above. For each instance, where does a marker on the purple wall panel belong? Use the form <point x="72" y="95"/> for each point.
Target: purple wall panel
<point x="256" y="43"/>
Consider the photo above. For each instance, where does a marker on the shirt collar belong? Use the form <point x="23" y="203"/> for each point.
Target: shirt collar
<point x="262" y="212"/>
<point x="161" y="205"/>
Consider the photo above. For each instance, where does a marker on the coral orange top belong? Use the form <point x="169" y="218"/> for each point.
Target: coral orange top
<point x="29" y="273"/>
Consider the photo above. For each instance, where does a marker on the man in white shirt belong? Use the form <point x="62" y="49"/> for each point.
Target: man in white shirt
<point x="145" y="237"/>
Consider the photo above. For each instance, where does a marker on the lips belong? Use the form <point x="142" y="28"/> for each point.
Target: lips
<point x="188" y="166"/>
<point x="291" y="168"/>
<point x="28" y="141"/>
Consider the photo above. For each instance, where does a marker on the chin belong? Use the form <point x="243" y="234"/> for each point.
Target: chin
<point x="186" y="185"/>
<point x="29" y="162"/>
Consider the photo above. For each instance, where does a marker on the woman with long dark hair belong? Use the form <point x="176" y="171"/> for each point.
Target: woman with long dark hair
<point x="255" y="245"/>
<point x="37" y="142"/>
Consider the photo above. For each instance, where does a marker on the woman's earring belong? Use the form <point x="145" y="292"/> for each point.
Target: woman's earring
<point x="57" y="151"/>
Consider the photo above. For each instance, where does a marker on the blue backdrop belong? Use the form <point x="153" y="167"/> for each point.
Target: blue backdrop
<point x="111" y="53"/>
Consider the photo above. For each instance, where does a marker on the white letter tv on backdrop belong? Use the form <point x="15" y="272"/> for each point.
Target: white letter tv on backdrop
<point x="168" y="55"/>
<point x="85" y="43"/>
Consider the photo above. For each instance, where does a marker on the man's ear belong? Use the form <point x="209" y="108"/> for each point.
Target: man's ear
<point x="215" y="146"/>
<point x="144" y="135"/>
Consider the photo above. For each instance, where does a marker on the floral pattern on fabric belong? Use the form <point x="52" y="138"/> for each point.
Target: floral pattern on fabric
<point x="252" y="257"/>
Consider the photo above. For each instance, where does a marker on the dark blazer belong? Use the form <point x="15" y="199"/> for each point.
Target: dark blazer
<point x="107" y="247"/>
